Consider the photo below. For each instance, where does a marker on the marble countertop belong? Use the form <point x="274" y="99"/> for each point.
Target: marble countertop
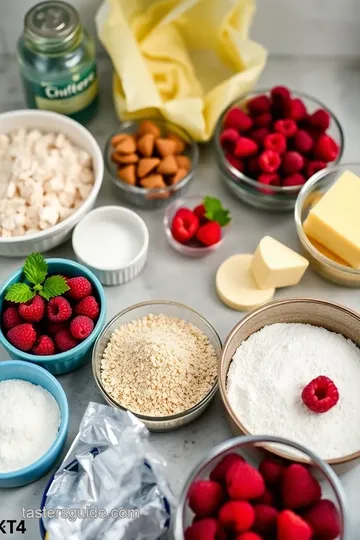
<point x="335" y="83"/>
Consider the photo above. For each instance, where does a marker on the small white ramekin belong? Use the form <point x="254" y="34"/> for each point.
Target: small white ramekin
<point x="112" y="241"/>
<point x="21" y="246"/>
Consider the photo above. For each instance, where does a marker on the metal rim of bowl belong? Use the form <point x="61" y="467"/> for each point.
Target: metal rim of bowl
<point x="70" y="220"/>
<point x="238" y="442"/>
<point x="222" y="381"/>
<point x="154" y="191"/>
<point x="189" y="250"/>
<point x="205" y="400"/>
<point x="276" y="190"/>
<point x="298" y="222"/>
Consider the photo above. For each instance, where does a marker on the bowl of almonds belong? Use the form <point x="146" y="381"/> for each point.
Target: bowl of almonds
<point x="150" y="162"/>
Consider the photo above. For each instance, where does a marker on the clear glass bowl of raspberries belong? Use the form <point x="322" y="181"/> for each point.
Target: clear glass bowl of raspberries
<point x="151" y="162"/>
<point x="238" y="491"/>
<point x="269" y="143"/>
<point x="322" y="260"/>
<point x="53" y="329"/>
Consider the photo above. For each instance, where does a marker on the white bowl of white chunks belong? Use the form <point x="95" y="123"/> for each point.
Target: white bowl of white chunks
<point x="51" y="170"/>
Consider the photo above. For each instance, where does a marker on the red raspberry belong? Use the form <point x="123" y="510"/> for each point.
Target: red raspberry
<point x="244" y="482"/>
<point x="299" y="488"/>
<point x="33" y="310"/>
<point x="320" y="395"/>
<point x="248" y="535"/>
<point x="263" y="120"/>
<point x="320" y="120"/>
<point x="89" y="306"/>
<point x="235" y="162"/>
<point x="11" y="317"/>
<point x="245" y="147"/>
<point x="209" y="234"/>
<point x="296" y="110"/>
<point x="44" y="346"/>
<point x="286" y="127"/>
<point x="294" y="180"/>
<point x="259" y="105"/>
<point x="303" y="142"/>
<point x="238" y="120"/>
<point x="81" y="327"/>
<point x="265" y="519"/>
<point x="58" y="309"/>
<point x="228" y="139"/>
<point x="65" y="340"/>
<point x="54" y="328"/>
<point x="326" y="148"/>
<point x="324" y="520"/>
<point x="237" y="516"/>
<point x="269" y="161"/>
<point x="258" y="135"/>
<point x="184" y="225"/>
<point x="280" y="94"/>
<point x="205" y="529"/>
<point x="292" y="527"/>
<point x="314" y="166"/>
<point x="22" y="336"/>
<point x="80" y="287"/>
<point x="268" y="179"/>
<point x="205" y="497"/>
<point x="292" y="162"/>
<point x="275" y="142"/>
<point x="271" y="471"/>
<point x="218" y="474"/>
<point x="253" y="168"/>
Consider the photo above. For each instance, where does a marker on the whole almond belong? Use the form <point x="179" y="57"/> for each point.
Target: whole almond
<point x="183" y="162"/>
<point x="165" y="147"/>
<point x="168" y="166"/>
<point x="145" y="144"/>
<point x="179" y="175"/>
<point x="128" y="174"/>
<point x="146" y="165"/>
<point x="116" y="139"/>
<point x="124" y="158"/>
<point x="127" y="145"/>
<point x="153" y="181"/>
<point x="180" y="143"/>
<point x="149" y="127"/>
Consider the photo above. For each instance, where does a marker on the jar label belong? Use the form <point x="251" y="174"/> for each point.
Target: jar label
<point x="69" y="97"/>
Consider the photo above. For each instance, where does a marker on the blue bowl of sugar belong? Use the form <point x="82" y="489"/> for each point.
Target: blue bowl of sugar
<point x="16" y="370"/>
<point x="74" y="358"/>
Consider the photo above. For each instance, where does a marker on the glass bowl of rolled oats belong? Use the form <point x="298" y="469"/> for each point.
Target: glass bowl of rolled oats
<point x="159" y="360"/>
<point x="151" y="162"/>
<point x="52" y="170"/>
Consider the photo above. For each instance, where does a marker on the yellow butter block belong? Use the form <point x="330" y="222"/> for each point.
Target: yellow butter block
<point x="326" y="252"/>
<point x="275" y="265"/>
<point x="335" y="220"/>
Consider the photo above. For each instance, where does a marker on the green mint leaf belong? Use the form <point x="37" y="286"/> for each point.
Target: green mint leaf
<point x="19" y="293"/>
<point x="214" y="211"/>
<point x="35" y="268"/>
<point x="54" y="286"/>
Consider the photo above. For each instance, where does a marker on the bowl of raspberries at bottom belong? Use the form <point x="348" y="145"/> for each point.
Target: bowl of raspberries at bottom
<point x="270" y="142"/>
<point x="238" y="492"/>
<point x="52" y="311"/>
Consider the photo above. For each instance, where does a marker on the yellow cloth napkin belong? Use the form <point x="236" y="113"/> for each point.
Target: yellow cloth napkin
<point x="185" y="60"/>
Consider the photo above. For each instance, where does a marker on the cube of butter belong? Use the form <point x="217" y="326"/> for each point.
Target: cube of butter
<point x="276" y="265"/>
<point x="335" y="220"/>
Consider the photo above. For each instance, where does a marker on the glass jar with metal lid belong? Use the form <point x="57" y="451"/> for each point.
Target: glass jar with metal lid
<point x="57" y="61"/>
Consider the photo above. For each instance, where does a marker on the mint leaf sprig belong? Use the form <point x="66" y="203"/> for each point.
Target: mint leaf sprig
<point x="214" y="211"/>
<point x="36" y="271"/>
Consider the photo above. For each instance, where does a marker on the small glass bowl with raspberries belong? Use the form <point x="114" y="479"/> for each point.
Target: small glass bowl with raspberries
<point x="52" y="311"/>
<point x="269" y="143"/>
<point x="239" y="492"/>
<point x="196" y="225"/>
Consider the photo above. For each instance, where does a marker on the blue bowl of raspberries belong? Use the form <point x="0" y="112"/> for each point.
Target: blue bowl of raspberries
<point x="271" y="142"/>
<point x="52" y="311"/>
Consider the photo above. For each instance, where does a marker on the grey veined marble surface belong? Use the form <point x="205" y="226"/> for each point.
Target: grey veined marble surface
<point x="168" y="275"/>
